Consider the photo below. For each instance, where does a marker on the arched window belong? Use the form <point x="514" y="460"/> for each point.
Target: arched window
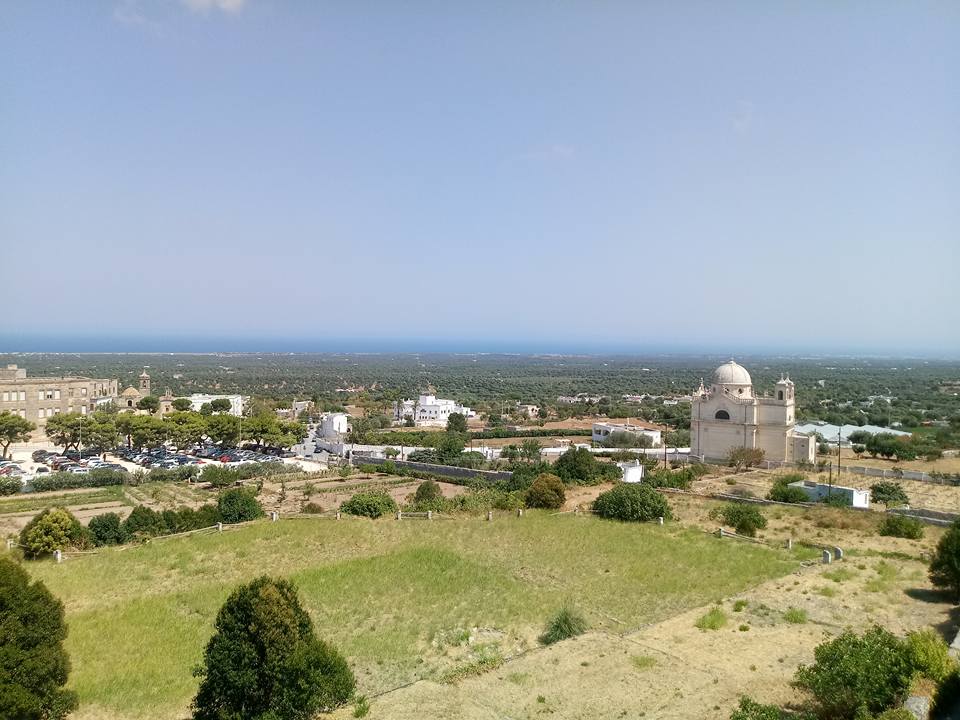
<point x="722" y="415"/>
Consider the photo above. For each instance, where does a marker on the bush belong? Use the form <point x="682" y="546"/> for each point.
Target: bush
<point x="929" y="655"/>
<point x="265" y="662"/>
<point x="746" y="519"/>
<point x="33" y="663"/>
<point x="945" y="565"/>
<point x="53" y="529"/>
<point x="782" y="492"/>
<point x="578" y="465"/>
<point x="144" y="522"/>
<point x="67" y="481"/>
<point x="889" y="493"/>
<point x="428" y="496"/>
<point x="837" y="500"/>
<point x="483" y="499"/>
<point x="902" y="527"/>
<point x="565" y="624"/>
<point x="857" y="673"/>
<point x="751" y="710"/>
<point x="312" y="508"/>
<point x="10" y="485"/>
<point x="795" y="616"/>
<point x="632" y="501"/>
<point x="238" y="505"/>
<point x="714" y="619"/>
<point x="547" y="492"/>
<point x="370" y="504"/>
<point x="661" y="477"/>
<point x="107" y="529"/>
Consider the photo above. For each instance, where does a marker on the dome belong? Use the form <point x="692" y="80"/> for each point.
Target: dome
<point x="730" y="373"/>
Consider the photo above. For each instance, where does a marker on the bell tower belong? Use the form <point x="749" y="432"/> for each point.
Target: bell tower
<point x="144" y="383"/>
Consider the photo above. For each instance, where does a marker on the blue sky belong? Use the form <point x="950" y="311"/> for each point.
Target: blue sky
<point x="732" y="176"/>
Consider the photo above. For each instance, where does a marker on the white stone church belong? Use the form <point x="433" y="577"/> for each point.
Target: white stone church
<point x="729" y="415"/>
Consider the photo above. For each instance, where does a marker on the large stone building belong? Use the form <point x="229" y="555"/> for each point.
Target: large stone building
<point x="39" y="398"/>
<point x="729" y="415"/>
<point x="429" y="410"/>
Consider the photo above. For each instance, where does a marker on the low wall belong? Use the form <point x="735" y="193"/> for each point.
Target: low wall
<point x="932" y="517"/>
<point x="447" y="471"/>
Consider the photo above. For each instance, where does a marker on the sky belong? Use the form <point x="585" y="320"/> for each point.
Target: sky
<point x="736" y="176"/>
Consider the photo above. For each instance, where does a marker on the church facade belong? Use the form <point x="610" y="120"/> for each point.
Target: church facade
<point x="728" y="414"/>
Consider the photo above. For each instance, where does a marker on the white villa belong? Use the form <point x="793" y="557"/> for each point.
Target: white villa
<point x="198" y="400"/>
<point x="729" y="415"/>
<point x="429" y="410"/>
<point x="603" y="430"/>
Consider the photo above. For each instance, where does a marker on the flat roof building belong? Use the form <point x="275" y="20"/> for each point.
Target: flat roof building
<point x="39" y="398"/>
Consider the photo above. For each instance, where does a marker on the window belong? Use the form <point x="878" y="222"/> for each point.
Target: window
<point x="83" y="392"/>
<point x="40" y="413"/>
<point x="722" y="415"/>
<point x="780" y="395"/>
<point x="23" y="396"/>
<point x="69" y="392"/>
<point x="6" y="397"/>
<point x="56" y="394"/>
<point x="83" y="409"/>
<point x="39" y="394"/>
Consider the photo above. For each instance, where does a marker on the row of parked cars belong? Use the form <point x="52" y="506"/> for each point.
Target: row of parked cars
<point x="234" y="455"/>
<point x="8" y="468"/>
<point x="73" y="461"/>
<point x="156" y="458"/>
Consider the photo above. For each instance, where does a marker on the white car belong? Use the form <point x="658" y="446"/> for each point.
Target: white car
<point x="79" y="470"/>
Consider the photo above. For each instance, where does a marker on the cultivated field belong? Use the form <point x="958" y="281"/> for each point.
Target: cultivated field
<point x="404" y="601"/>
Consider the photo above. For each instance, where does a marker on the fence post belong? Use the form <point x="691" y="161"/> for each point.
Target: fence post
<point x="429" y="514"/>
<point x="519" y="512"/>
<point x="720" y="532"/>
<point x="338" y="514"/>
<point x="9" y="544"/>
<point x="58" y="556"/>
<point x="837" y="553"/>
<point x="274" y="516"/>
<point x="789" y="543"/>
<point x="660" y="521"/>
<point x="399" y="514"/>
<point x="220" y="527"/>
<point x="827" y="557"/>
<point x="489" y="515"/>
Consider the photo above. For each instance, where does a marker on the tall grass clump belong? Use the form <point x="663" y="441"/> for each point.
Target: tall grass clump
<point x="565" y="624"/>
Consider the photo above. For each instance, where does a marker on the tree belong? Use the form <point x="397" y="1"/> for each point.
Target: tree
<point x="265" y="662"/>
<point x="185" y="429"/>
<point x="124" y="423"/>
<point x="150" y="403"/>
<point x="100" y="431"/>
<point x="147" y="431"/>
<point x="238" y="505"/>
<point x="13" y="429"/>
<point x="223" y="429"/>
<point x="530" y="450"/>
<point x="889" y="493"/>
<point x="64" y="430"/>
<point x="53" y="529"/>
<point x="456" y="422"/>
<point x="428" y="496"/>
<point x="220" y="405"/>
<point x="632" y="501"/>
<point x="945" y="565"/>
<point x="182" y="404"/>
<point x="33" y="663"/>
<point x="107" y="529"/>
<point x="547" y="491"/>
<point x="576" y="465"/>
<point x="741" y="458"/>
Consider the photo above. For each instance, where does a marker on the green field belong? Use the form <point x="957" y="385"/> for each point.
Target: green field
<point x="399" y="598"/>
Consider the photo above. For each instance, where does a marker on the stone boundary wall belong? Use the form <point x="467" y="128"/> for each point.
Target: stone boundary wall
<point x="446" y="471"/>
<point x="933" y="517"/>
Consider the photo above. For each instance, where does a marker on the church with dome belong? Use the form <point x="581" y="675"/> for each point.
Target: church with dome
<point x="728" y="414"/>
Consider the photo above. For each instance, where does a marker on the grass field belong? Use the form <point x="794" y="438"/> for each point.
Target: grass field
<point x="403" y="600"/>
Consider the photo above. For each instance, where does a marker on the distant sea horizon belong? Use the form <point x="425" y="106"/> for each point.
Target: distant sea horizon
<point x="196" y="345"/>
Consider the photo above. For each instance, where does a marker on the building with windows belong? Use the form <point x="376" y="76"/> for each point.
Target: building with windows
<point x="39" y="398"/>
<point x="729" y="415"/>
<point x="603" y="430"/>
<point x="429" y="410"/>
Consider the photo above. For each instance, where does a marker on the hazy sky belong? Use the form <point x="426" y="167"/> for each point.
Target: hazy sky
<point x="779" y="175"/>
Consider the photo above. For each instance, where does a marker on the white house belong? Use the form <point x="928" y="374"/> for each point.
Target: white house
<point x="197" y="400"/>
<point x="429" y="410"/>
<point x="818" y="491"/>
<point x="603" y="430"/>
<point x="530" y="411"/>
<point x="333" y="425"/>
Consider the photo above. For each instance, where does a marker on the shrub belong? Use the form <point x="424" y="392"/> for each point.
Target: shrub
<point x="714" y="619"/>
<point x="782" y="492"/>
<point x="265" y="662"/>
<point x="741" y="458"/>
<point x="144" y="522"/>
<point x="33" y="664"/>
<point x="10" y="485"/>
<point x="795" y="616"/>
<point x="661" y="477"/>
<point x="889" y="493"/>
<point x="565" y="624"/>
<point x="929" y="655"/>
<point x="238" y="505"/>
<point x="428" y="496"/>
<point x="632" y="501"/>
<point x="107" y="529"/>
<point x="746" y="519"/>
<point x="547" y="492"/>
<point x="857" y="673"/>
<point x="749" y="709"/>
<point x="901" y="526"/>
<point x="837" y="500"/>
<point x="370" y="504"/>
<point x="53" y="529"/>
<point x="66" y="480"/>
<point x="482" y="499"/>
<point x="312" y="508"/>
<point x="578" y="465"/>
<point x="945" y="565"/>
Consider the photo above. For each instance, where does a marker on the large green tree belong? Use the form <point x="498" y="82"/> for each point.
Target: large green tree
<point x="33" y="664"/>
<point x="185" y="428"/>
<point x="456" y="422"/>
<point x="64" y="430"/>
<point x="945" y="565"/>
<point x="13" y="429"/>
<point x="264" y="661"/>
<point x="223" y="429"/>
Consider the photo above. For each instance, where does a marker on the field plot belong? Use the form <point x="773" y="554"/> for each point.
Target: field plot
<point x="403" y="600"/>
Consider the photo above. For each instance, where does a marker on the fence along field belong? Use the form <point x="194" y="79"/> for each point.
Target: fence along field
<point x="398" y="598"/>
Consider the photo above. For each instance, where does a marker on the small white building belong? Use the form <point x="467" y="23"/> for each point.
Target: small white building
<point x="632" y="471"/>
<point x="197" y="400"/>
<point x="530" y="411"/>
<point x="818" y="491"/>
<point x="603" y="430"/>
<point x="429" y="410"/>
<point x="333" y="425"/>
